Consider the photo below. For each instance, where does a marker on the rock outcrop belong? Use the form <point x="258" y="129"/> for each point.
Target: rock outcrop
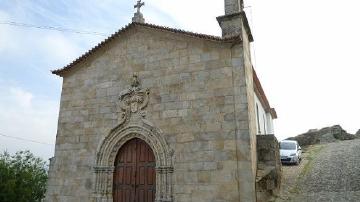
<point x="324" y="135"/>
<point x="357" y="135"/>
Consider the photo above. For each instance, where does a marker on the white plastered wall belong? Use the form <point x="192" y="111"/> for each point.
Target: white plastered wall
<point x="264" y="121"/>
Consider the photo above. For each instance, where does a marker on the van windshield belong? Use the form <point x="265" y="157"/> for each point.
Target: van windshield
<point x="287" y="145"/>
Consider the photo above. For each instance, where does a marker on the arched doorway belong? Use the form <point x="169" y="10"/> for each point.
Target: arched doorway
<point x="109" y="149"/>
<point x="134" y="177"/>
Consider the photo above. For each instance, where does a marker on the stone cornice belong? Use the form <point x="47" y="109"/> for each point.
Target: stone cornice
<point x="241" y="15"/>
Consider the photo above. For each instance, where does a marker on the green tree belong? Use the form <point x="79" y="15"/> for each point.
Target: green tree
<point x="22" y="177"/>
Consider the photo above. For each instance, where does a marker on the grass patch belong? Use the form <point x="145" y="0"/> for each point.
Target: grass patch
<point x="312" y="152"/>
<point x="310" y="157"/>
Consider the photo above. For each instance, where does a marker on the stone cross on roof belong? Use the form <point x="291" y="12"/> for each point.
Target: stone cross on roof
<point x="138" y="5"/>
<point x="138" y="17"/>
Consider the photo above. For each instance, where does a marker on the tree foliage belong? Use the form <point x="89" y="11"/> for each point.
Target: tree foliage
<point x="22" y="177"/>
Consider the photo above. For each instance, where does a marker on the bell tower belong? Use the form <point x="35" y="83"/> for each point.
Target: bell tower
<point x="234" y="22"/>
<point x="233" y="6"/>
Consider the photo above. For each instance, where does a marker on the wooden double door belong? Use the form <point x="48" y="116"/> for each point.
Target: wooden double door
<point x="134" y="176"/>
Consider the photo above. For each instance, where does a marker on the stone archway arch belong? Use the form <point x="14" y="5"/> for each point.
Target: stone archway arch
<point x="109" y="148"/>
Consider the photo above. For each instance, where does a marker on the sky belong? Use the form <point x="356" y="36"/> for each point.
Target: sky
<point x="305" y="54"/>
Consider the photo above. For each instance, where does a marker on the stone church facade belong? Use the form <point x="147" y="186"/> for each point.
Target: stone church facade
<point x="189" y="99"/>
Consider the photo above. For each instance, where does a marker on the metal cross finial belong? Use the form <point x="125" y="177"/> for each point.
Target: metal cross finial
<point x="139" y="5"/>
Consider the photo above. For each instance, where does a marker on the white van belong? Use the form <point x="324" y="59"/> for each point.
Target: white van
<point x="290" y="151"/>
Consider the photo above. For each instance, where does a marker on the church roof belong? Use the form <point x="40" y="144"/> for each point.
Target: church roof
<point x="260" y="93"/>
<point x="134" y="24"/>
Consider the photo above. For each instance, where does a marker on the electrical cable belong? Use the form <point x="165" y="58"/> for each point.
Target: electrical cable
<point x="26" y="140"/>
<point x="60" y="29"/>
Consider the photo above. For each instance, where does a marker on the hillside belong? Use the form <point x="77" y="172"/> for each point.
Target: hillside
<point x="324" y="135"/>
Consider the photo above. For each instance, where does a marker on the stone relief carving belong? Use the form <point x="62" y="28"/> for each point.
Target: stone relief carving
<point x="133" y="124"/>
<point x="133" y="100"/>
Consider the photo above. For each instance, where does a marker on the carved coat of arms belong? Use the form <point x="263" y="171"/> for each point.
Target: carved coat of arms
<point x="133" y="100"/>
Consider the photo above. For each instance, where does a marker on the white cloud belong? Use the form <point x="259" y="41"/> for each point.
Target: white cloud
<point x="198" y="16"/>
<point x="306" y="59"/>
<point x="52" y="46"/>
<point x="26" y="116"/>
<point x="6" y="34"/>
<point x="21" y="97"/>
<point x="59" y="48"/>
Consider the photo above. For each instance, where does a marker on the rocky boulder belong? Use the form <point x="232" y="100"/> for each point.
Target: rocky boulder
<point x="324" y="135"/>
<point x="357" y="134"/>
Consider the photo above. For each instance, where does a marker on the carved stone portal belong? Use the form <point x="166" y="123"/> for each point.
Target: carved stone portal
<point x="133" y="124"/>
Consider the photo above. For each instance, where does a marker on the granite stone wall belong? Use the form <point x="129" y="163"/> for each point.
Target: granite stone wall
<point x="199" y="99"/>
<point x="268" y="179"/>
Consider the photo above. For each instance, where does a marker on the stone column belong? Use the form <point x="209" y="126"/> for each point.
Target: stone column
<point x="103" y="183"/>
<point x="164" y="193"/>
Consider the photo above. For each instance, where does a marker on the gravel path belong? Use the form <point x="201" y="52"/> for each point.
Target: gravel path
<point x="329" y="172"/>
